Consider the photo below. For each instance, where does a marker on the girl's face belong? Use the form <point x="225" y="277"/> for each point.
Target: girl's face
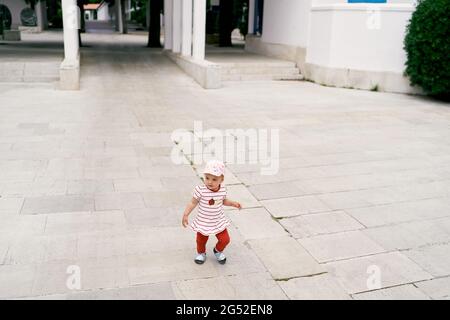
<point x="213" y="182"/>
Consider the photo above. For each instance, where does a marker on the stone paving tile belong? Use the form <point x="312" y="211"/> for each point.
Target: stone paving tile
<point x="405" y="292"/>
<point x="283" y="175"/>
<point x="344" y="200"/>
<point x="61" y="248"/>
<point x="10" y="206"/>
<point x="411" y="234"/>
<point x="406" y="192"/>
<point x="96" y="274"/>
<point x="319" y="287"/>
<point x="435" y="259"/>
<point x="402" y="212"/>
<point x="153" y="140"/>
<point x="233" y="287"/>
<point x="26" y="250"/>
<point x="230" y="178"/>
<point x="165" y="199"/>
<point x="339" y="246"/>
<point x="16" y="281"/>
<point x="90" y="186"/>
<point x="275" y="190"/>
<point x="4" y="245"/>
<point x="20" y="225"/>
<point x="109" y="174"/>
<point x="100" y="245"/>
<point x="320" y="223"/>
<point x="40" y="187"/>
<point x="166" y="171"/>
<point x="360" y="274"/>
<point x="240" y="193"/>
<point x="85" y="222"/>
<point x="436" y="288"/>
<point x="154" y="217"/>
<point x="54" y="204"/>
<point x="256" y="223"/>
<point x="65" y="168"/>
<point x="118" y="201"/>
<point x="177" y="183"/>
<point x="288" y="207"/>
<point x="171" y="266"/>
<point x="137" y="185"/>
<point x="290" y="261"/>
<point x="156" y="291"/>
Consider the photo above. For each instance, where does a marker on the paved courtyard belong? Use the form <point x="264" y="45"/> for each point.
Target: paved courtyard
<point x="360" y="207"/>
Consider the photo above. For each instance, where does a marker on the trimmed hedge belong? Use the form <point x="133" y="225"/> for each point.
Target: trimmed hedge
<point x="427" y="45"/>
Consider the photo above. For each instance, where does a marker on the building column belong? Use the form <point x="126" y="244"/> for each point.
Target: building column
<point x="199" y="34"/>
<point x="168" y="11"/>
<point x="186" y="30"/>
<point x="176" y="26"/>
<point x="128" y="9"/>
<point x="120" y="16"/>
<point x="251" y="17"/>
<point x="71" y="23"/>
<point x="117" y="14"/>
<point x="41" y="14"/>
<point x="70" y="67"/>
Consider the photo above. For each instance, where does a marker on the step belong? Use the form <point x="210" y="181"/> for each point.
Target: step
<point x="261" y="77"/>
<point x="256" y="64"/>
<point x="261" y="70"/>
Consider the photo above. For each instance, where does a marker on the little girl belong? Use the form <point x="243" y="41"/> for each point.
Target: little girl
<point x="210" y="220"/>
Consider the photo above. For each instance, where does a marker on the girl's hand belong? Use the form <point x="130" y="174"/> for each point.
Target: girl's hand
<point x="237" y="205"/>
<point x="185" y="221"/>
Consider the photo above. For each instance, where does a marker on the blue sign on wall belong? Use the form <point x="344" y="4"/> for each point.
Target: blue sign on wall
<point x="367" y="1"/>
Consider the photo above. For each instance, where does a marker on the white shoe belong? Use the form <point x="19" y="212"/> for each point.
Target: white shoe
<point x="200" y="258"/>
<point x="220" y="256"/>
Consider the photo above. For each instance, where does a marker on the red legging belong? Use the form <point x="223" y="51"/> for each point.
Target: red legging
<point x="223" y="237"/>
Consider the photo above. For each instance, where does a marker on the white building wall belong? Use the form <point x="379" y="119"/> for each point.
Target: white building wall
<point x="359" y="36"/>
<point x="103" y="13"/>
<point x="330" y="39"/>
<point x="286" y="22"/>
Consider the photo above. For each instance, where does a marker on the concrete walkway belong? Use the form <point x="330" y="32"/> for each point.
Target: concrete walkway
<point x="360" y="207"/>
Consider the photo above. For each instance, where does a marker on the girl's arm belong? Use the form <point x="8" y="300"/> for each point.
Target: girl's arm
<point x="191" y="205"/>
<point x="230" y="203"/>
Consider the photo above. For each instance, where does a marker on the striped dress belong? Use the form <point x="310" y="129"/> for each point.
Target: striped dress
<point x="210" y="219"/>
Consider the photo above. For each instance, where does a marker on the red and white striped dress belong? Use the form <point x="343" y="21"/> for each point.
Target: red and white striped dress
<point x="210" y="219"/>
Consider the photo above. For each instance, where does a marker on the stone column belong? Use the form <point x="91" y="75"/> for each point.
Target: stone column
<point x="117" y="14"/>
<point x="124" y="9"/>
<point x="120" y="16"/>
<point x="186" y="31"/>
<point x="199" y="35"/>
<point x="41" y="14"/>
<point x="70" y="67"/>
<point x="168" y="11"/>
<point x="176" y="26"/>
<point x="251" y="17"/>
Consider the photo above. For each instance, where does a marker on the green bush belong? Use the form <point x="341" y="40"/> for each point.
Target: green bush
<point x="427" y="46"/>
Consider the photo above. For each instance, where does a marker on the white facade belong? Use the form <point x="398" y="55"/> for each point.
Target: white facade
<point x="358" y="45"/>
<point x="286" y="22"/>
<point x="103" y="12"/>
